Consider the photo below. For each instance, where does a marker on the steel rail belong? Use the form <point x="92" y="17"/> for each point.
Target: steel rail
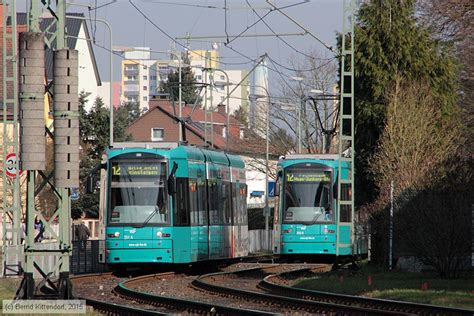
<point x="108" y="307"/>
<point x="296" y="303"/>
<point x="374" y="303"/>
<point x="179" y="304"/>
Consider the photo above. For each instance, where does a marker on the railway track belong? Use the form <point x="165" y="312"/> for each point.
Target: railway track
<point x="230" y="293"/>
<point x="280" y="303"/>
<point x="120" y="298"/>
<point x="271" y="284"/>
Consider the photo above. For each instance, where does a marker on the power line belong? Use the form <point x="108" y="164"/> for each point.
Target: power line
<point x="248" y="27"/>
<point x="303" y="70"/>
<point x="177" y="42"/>
<point x="279" y="37"/>
<point x="302" y="27"/>
<point x="184" y="4"/>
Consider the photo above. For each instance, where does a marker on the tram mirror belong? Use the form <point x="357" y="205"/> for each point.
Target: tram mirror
<point x="171" y="185"/>
<point x="277" y="183"/>
<point x="172" y="180"/>
<point x="90" y="184"/>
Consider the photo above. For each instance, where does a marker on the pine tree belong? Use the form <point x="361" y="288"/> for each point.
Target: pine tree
<point x="390" y="43"/>
<point x="188" y="84"/>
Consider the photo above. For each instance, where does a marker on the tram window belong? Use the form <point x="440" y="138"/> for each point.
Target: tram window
<point x="225" y="206"/>
<point x="181" y="203"/>
<point x="243" y="202"/>
<point x="237" y="217"/>
<point x="202" y="201"/>
<point x="193" y="202"/>
<point x="215" y="200"/>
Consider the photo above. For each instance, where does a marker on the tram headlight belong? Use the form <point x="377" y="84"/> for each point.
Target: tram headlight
<point x="117" y="234"/>
<point x="159" y="234"/>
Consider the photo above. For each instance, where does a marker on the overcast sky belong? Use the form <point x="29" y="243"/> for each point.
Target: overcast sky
<point x="207" y="18"/>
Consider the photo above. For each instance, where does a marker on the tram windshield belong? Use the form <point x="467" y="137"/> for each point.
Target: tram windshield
<point x="138" y="193"/>
<point x="307" y="196"/>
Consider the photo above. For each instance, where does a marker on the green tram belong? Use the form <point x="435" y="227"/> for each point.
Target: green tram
<point x="172" y="204"/>
<point x="306" y="219"/>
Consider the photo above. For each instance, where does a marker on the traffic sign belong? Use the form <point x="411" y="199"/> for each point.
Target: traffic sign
<point x="271" y="188"/>
<point x="74" y="194"/>
<point x="10" y="162"/>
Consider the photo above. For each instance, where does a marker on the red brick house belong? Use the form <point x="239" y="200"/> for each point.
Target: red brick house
<point x="160" y="124"/>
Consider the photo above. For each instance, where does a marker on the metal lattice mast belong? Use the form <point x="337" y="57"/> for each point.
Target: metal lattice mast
<point x="66" y="153"/>
<point x="345" y="190"/>
<point x="11" y="206"/>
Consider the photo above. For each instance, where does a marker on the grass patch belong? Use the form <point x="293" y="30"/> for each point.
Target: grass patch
<point x="442" y="298"/>
<point x="425" y="288"/>
<point x="8" y="287"/>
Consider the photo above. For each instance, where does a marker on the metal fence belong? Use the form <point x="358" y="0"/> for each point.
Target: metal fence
<point x="85" y="257"/>
<point x="85" y="254"/>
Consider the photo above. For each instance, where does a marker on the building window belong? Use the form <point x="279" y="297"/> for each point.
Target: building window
<point x="145" y="98"/>
<point x="157" y="134"/>
<point x="152" y="77"/>
<point x="132" y="78"/>
<point x="131" y="67"/>
<point x="222" y="77"/>
<point x="145" y="67"/>
<point x="145" y="78"/>
<point x="198" y="77"/>
<point x="145" y="88"/>
<point x="222" y="88"/>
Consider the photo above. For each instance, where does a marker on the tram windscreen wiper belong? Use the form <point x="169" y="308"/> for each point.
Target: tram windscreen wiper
<point x="148" y="219"/>
<point x="155" y="211"/>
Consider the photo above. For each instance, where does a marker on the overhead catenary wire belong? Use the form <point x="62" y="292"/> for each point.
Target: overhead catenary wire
<point x="303" y="28"/>
<point x="280" y="38"/>
<point x="175" y="41"/>
<point x="226" y="45"/>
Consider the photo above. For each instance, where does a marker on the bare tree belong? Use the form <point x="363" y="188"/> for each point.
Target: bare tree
<point x="415" y="141"/>
<point x="316" y="76"/>
<point x="416" y="152"/>
<point x="452" y="21"/>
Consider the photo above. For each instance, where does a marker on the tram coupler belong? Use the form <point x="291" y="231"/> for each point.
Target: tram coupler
<point x="65" y="286"/>
<point x="26" y="291"/>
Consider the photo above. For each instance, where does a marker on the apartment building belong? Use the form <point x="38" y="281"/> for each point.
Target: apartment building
<point x="142" y="77"/>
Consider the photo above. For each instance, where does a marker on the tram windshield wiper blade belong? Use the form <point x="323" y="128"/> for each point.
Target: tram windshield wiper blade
<point x="148" y="219"/>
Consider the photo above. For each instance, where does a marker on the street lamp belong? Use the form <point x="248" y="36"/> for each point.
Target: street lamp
<point x="178" y="56"/>
<point x="267" y="209"/>
<point x="111" y="119"/>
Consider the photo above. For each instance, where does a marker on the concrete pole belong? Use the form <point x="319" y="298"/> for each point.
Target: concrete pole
<point x="299" y="126"/>
<point x="267" y="210"/>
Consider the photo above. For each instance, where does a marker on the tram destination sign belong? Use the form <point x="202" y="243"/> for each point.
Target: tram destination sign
<point x="136" y="169"/>
<point x="308" y="176"/>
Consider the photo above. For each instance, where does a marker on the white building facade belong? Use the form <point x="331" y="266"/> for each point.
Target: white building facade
<point x="143" y="76"/>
